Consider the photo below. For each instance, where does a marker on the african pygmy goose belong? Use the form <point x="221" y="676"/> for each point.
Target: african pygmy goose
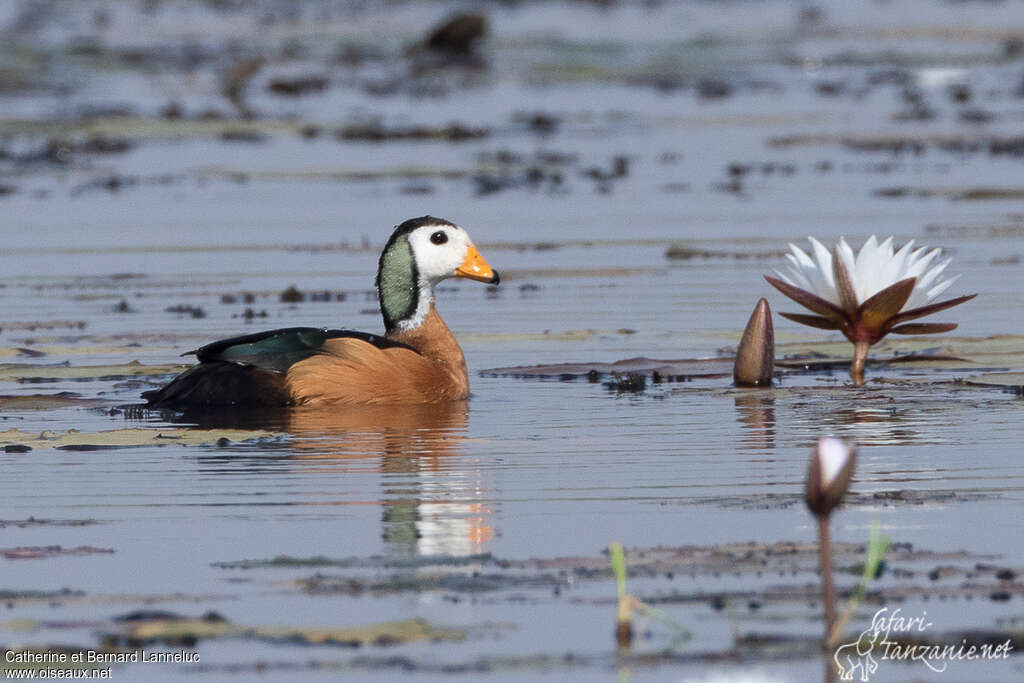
<point x="418" y="359"/>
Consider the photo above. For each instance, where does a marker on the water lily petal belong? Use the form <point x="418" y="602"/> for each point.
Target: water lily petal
<point x="922" y="311"/>
<point x="876" y="312"/>
<point x="900" y="261"/>
<point x="808" y="300"/>
<point x="827" y="290"/>
<point x="844" y="280"/>
<point x="797" y="274"/>
<point x="868" y="265"/>
<point x="801" y="256"/>
<point x="925" y="283"/>
<point x="921" y="260"/>
<point x="812" y="321"/>
<point x="833" y="455"/>
<point x="829" y="475"/>
<point x="923" y="328"/>
<point x="926" y="280"/>
<point x="802" y="268"/>
<point x="844" y="254"/>
<point x="887" y="267"/>
<point x="941" y="287"/>
<point x="785" y="278"/>
<point x="817" y="283"/>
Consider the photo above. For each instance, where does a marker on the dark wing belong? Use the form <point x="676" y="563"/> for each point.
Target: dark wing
<point x="220" y="384"/>
<point x="249" y="370"/>
<point x="278" y="350"/>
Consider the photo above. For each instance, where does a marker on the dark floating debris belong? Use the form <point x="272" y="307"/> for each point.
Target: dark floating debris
<point x="124" y="307"/>
<point x="505" y="169"/>
<point x="682" y="252"/>
<point x="298" y="86"/>
<point x="457" y="35"/>
<point x="713" y="89"/>
<point x="375" y="132"/>
<point x="249" y="314"/>
<point x="669" y="370"/>
<point x="61" y="150"/>
<point x="237" y="80"/>
<point x="172" y="112"/>
<point x="292" y="295"/>
<point x="185" y="309"/>
<point x="632" y="383"/>
<point x="243" y="135"/>
<point x="327" y="295"/>
<point x="115" y="183"/>
<point x="541" y="123"/>
<point x="976" y="115"/>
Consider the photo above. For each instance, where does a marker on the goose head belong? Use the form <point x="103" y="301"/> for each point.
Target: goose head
<point x="421" y="253"/>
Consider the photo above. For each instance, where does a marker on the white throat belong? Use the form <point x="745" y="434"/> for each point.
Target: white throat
<point x="424" y="299"/>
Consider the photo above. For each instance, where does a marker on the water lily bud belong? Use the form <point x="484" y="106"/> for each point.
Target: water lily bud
<point x="829" y="475"/>
<point x="755" y="356"/>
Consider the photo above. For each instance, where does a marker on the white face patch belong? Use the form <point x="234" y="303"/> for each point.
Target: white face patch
<point x="436" y="259"/>
<point x="436" y="262"/>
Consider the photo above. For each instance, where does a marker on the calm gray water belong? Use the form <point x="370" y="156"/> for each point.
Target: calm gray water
<point x="823" y="120"/>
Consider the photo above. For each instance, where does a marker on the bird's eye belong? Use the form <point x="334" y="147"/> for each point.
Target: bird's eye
<point x="439" y="237"/>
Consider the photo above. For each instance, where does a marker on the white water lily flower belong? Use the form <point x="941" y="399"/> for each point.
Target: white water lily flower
<point x="867" y="295"/>
<point x="875" y="267"/>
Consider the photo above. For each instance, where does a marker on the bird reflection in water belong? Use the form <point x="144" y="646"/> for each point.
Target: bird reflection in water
<point x="433" y="502"/>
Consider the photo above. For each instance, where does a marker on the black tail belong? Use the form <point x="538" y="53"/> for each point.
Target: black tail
<point x="221" y="384"/>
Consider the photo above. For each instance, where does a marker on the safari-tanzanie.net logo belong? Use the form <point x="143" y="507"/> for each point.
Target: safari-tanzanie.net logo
<point x="895" y="638"/>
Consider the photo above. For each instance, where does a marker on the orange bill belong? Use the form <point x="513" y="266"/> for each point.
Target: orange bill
<point x="476" y="268"/>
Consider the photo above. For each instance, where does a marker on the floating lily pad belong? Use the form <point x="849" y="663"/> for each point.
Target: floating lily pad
<point x="505" y="578"/>
<point x="377" y="561"/>
<point x="45" y="551"/>
<point x="90" y="345"/>
<point x="189" y="631"/>
<point x="125" y="438"/>
<point x="12" y="596"/>
<point x="566" y="335"/>
<point x="45" y="401"/>
<point x="1009" y="380"/>
<point x="945" y="353"/>
<point x="26" y="372"/>
<point x="35" y="522"/>
<point x="712" y="367"/>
